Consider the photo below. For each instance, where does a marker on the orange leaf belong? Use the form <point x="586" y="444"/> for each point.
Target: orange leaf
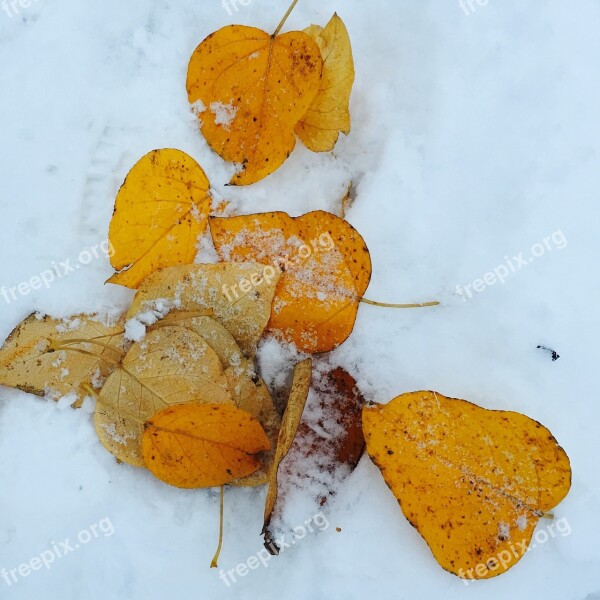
<point x="326" y="270"/>
<point x="160" y="211"/>
<point x="249" y="89"/>
<point x="202" y="445"/>
<point x="473" y="482"/>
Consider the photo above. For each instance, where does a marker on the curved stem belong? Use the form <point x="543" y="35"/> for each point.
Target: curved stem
<point x="85" y="341"/>
<point x="215" y="559"/>
<point x="386" y="305"/>
<point x="110" y="361"/>
<point x="287" y="14"/>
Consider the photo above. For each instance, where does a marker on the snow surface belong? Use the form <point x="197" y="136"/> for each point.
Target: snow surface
<point x="474" y="137"/>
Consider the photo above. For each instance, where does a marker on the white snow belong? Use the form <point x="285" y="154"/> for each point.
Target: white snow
<point x="224" y="113"/>
<point x="135" y="330"/>
<point x="474" y="138"/>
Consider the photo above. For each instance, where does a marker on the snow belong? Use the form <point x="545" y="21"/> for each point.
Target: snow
<point x="224" y="113"/>
<point x="474" y="138"/>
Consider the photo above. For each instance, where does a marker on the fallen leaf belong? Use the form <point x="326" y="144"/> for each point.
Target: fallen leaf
<point x="473" y="482"/>
<point x="244" y="312"/>
<point x="55" y="357"/>
<point x="214" y="334"/>
<point x="161" y="209"/>
<point x="326" y="449"/>
<point x="329" y="112"/>
<point x="326" y="270"/>
<point x="249" y="392"/>
<point x="202" y="445"/>
<point x="249" y="89"/>
<point x="289" y="426"/>
<point x="172" y="365"/>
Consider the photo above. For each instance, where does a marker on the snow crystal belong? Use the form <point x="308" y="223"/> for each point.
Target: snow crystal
<point x="224" y="113"/>
<point x="134" y="330"/>
<point x="198" y="107"/>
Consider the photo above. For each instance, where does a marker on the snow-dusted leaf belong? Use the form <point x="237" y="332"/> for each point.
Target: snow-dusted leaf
<point x="247" y="388"/>
<point x="240" y="296"/>
<point x="249" y="89"/>
<point x="326" y="449"/>
<point x="55" y="357"/>
<point x="473" y="482"/>
<point x="172" y="365"/>
<point x="326" y="270"/>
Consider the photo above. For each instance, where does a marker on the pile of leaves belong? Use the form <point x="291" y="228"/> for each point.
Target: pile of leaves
<point x="174" y="378"/>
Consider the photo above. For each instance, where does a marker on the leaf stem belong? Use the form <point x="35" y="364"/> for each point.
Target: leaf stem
<point x="215" y="559"/>
<point x="287" y="14"/>
<point x="90" y="390"/>
<point x="386" y="305"/>
<point x="110" y="361"/>
<point x="88" y="341"/>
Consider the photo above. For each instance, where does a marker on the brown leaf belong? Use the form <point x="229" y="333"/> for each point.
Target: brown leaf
<point x="329" y="441"/>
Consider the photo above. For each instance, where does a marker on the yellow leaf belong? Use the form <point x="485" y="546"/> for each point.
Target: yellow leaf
<point x="160" y="211"/>
<point x="289" y="427"/>
<point x="53" y="357"/>
<point x="251" y="394"/>
<point x="171" y="365"/>
<point x="329" y="112"/>
<point x="326" y="266"/>
<point x="249" y="89"/>
<point x="473" y="482"/>
<point x="240" y="296"/>
<point x="247" y="388"/>
<point x="202" y="445"/>
<point x="214" y="334"/>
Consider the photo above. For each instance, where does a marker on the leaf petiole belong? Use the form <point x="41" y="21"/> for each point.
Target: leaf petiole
<point x="285" y="17"/>
<point x="214" y="563"/>
<point x="386" y="305"/>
